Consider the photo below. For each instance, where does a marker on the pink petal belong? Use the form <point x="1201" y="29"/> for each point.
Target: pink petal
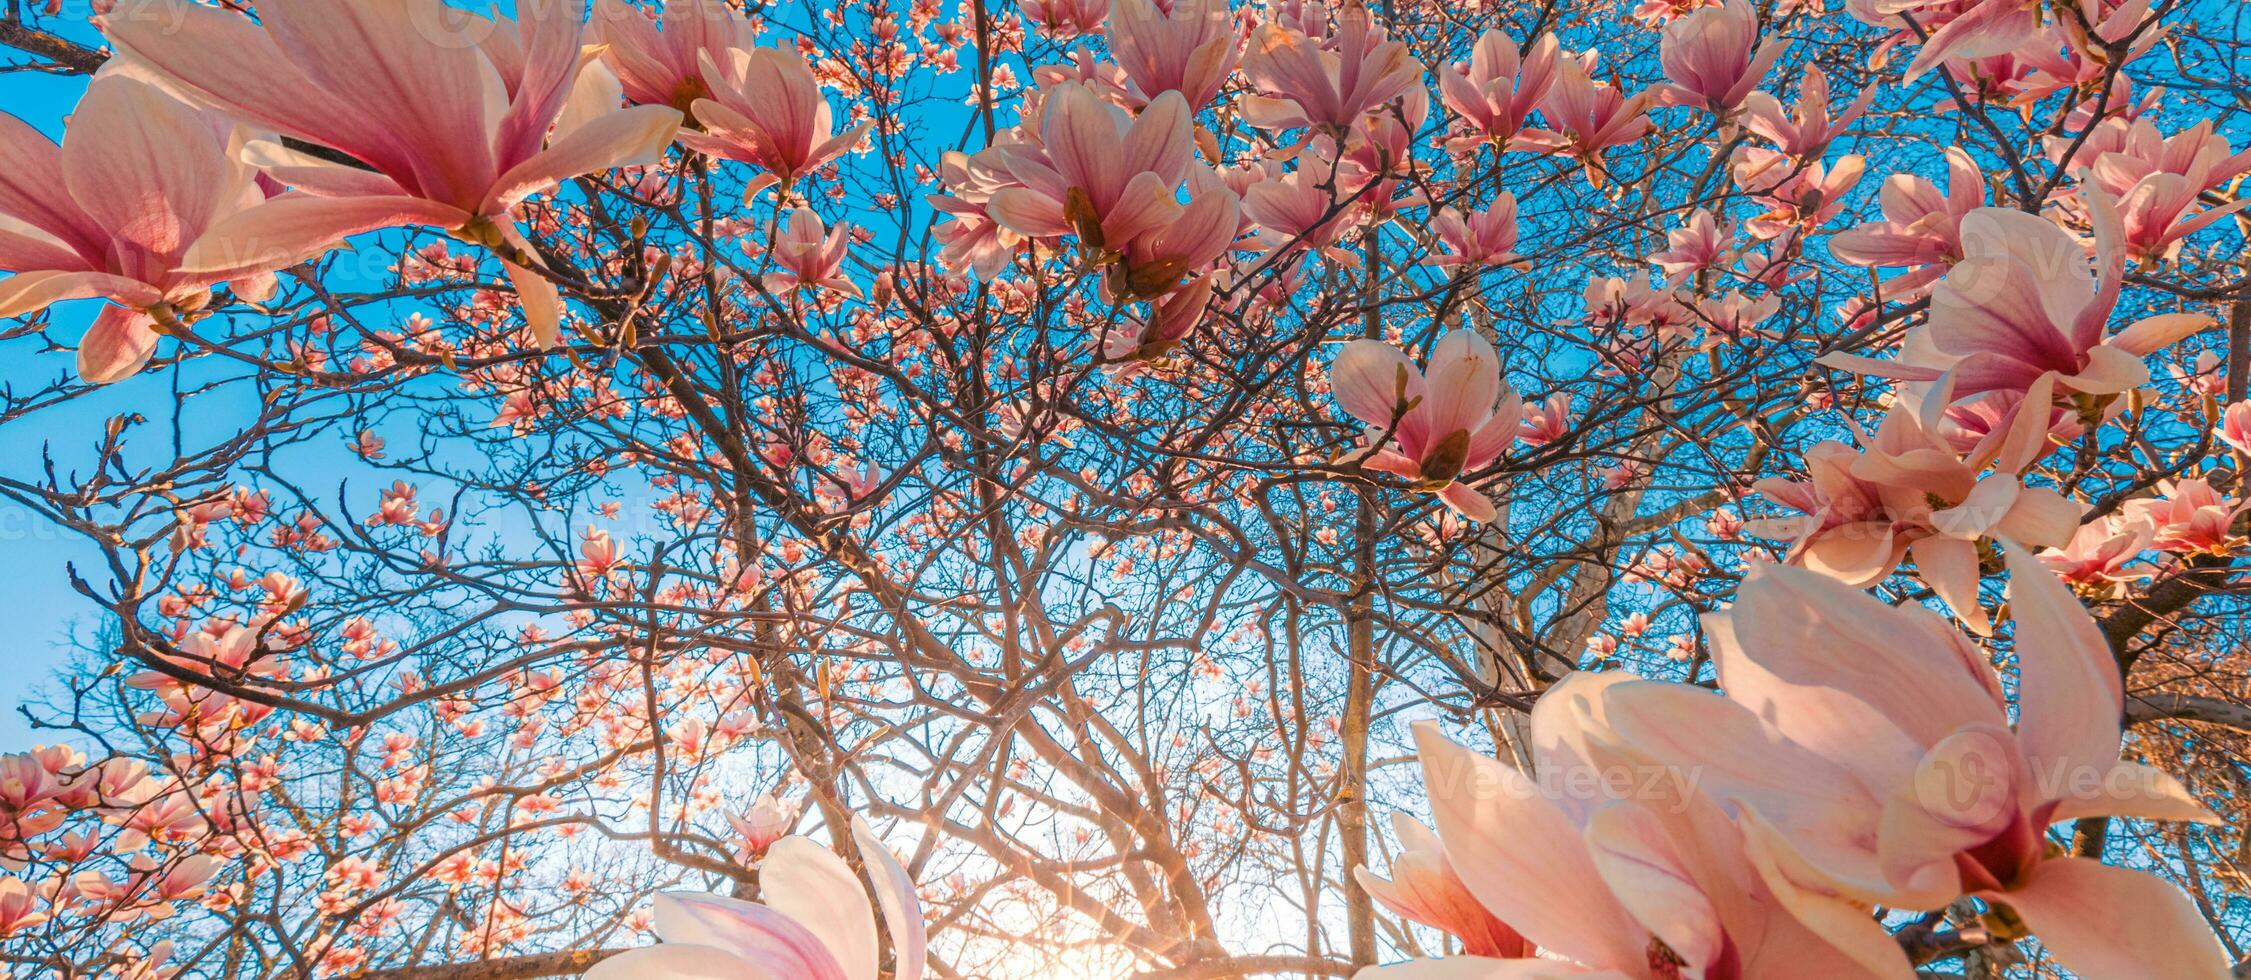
<point x="1461" y="386"/>
<point x="2070" y="698"/>
<point x="32" y="190"/>
<point x="25" y="292"/>
<point x="895" y="894"/>
<point x="292" y="228"/>
<point x="1466" y="501"/>
<point x="1521" y="856"/>
<point x="678" y="961"/>
<point x="802" y="880"/>
<point x="117" y="345"/>
<point x="1372" y="382"/>
<point x="758" y="934"/>
<point x="626" y="137"/>
<point x="148" y="169"/>
<point x="2108" y="923"/>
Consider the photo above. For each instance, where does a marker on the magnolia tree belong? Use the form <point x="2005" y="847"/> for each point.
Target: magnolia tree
<point x="1132" y="488"/>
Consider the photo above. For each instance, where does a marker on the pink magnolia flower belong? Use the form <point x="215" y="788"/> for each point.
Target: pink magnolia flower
<point x="1863" y="511"/>
<point x="2235" y="427"/>
<point x="1499" y="88"/>
<point x="1709" y="55"/>
<point x="1170" y="319"/>
<point x="138" y="179"/>
<point x="1800" y="197"/>
<point x="1480" y="239"/>
<point x="1067" y="18"/>
<point x="1702" y="243"/>
<point x="2190" y="517"/>
<point x="1922" y="226"/>
<point x="1457" y="419"/>
<point x="767" y="821"/>
<point x="1326" y="82"/>
<point x="1588" y="117"/>
<point x="813" y="924"/>
<point x="1104" y="176"/>
<point x="768" y="111"/>
<point x="1803" y="133"/>
<point x="2157" y="179"/>
<point x="2022" y="306"/>
<point x="2099" y="558"/>
<point x="1546" y="420"/>
<point x="1872" y="752"/>
<point x="1959" y="31"/>
<point x="1424" y="888"/>
<point x="19" y="906"/>
<point x="1311" y="206"/>
<point x="666" y="66"/>
<point x="1152" y="263"/>
<point x="811" y="255"/>
<point x="455" y="135"/>
<point x="1617" y="879"/>
<point x="1188" y="46"/>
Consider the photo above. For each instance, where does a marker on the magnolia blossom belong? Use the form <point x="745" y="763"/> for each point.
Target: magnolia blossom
<point x="1328" y="82"/>
<point x="1170" y="319"/>
<point x="1613" y="877"/>
<point x="1702" y="243"/>
<point x="811" y="255"/>
<point x="1456" y="419"/>
<point x="1922" y="225"/>
<point x="1499" y="88"/>
<point x="666" y="66"/>
<point x="1709" y="56"/>
<point x="1424" y="888"/>
<point x="454" y="134"/>
<point x="1188" y="46"/>
<point x="1906" y="494"/>
<point x="767" y="110"/>
<point x="1806" y="131"/>
<point x="1067" y="18"/>
<point x="2022" y="307"/>
<point x="2099" y="558"/>
<point x="1101" y="174"/>
<point x="2156" y="179"/>
<point x="138" y="179"/>
<point x="2190" y="517"/>
<point x="1589" y="116"/>
<point x="1480" y="239"/>
<point x="2235" y="427"/>
<point x="813" y="924"/>
<point x="767" y="821"/>
<point x="1874" y="756"/>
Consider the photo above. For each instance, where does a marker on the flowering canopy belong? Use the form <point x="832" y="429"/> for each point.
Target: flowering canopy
<point x="1660" y="489"/>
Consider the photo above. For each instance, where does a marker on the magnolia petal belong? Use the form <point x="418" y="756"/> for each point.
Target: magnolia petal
<point x="1950" y="567"/>
<point x="1465" y="500"/>
<point x="26" y="292"/>
<point x="678" y="961"/>
<point x="1521" y="856"/>
<point x="1373" y="381"/>
<point x="2070" y="698"/>
<point x="756" y="934"/>
<point x="2108" y="923"/>
<point x="2152" y="334"/>
<point x="543" y="306"/>
<point x="626" y="137"/>
<point x="119" y="344"/>
<point x="895" y="894"/>
<point x="2128" y="789"/>
<point x="803" y="880"/>
<point x="292" y="228"/>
